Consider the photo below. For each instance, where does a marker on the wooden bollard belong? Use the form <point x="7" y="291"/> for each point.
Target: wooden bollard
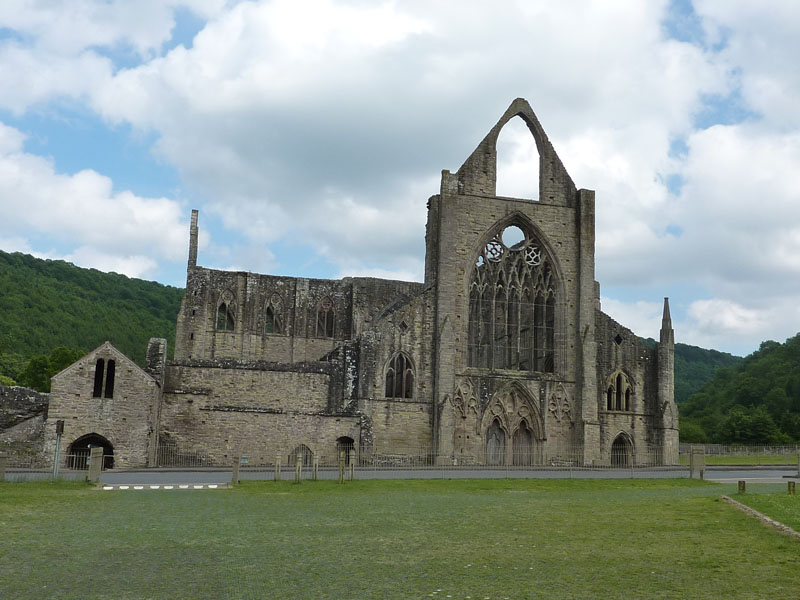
<point x="742" y="486"/>
<point x="791" y="488"/>
<point x="235" y="473"/>
<point x="3" y="465"/>
<point x="298" y="468"/>
<point x="341" y="466"/>
<point x="278" y="468"/>
<point x="314" y="468"/>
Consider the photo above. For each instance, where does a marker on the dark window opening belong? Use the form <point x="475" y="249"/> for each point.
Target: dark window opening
<point x="610" y="399"/>
<point x="225" y="320"/>
<point x="110" y="372"/>
<point x="273" y="317"/>
<point x="400" y="377"/>
<point x="618" y="339"/>
<point x="522" y="445"/>
<point x="619" y="392"/>
<point x="98" y="378"/>
<point x="621" y="452"/>
<point x="628" y="399"/>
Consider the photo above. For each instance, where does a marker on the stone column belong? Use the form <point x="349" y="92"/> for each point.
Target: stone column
<point x="235" y="475"/>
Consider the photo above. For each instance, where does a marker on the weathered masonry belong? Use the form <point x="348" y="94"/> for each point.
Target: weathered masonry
<point x="501" y="356"/>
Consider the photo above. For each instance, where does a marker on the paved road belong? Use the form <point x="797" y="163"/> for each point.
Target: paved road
<point x="221" y="476"/>
<point x="726" y="475"/>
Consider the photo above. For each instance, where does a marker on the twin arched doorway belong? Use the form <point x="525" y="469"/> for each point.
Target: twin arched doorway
<point x="78" y="451"/>
<point x="522" y="445"/>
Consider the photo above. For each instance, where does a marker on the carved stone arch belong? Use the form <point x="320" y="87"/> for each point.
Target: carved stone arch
<point x="560" y="405"/>
<point x="274" y="314"/>
<point x="622" y="450"/>
<point x="511" y="404"/>
<point x="619" y="390"/>
<point x="464" y="399"/>
<point x="226" y="313"/>
<point x="396" y="370"/>
<point x="478" y="174"/>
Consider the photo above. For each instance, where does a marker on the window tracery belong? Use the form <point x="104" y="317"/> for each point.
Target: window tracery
<point x="226" y="311"/>
<point x="512" y="305"/>
<point x="326" y="313"/>
<point x="273" y="317"/>
<point x="400" y="377"/>
<point x="619" y="392"/>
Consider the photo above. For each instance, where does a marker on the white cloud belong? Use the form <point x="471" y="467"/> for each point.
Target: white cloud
<point x="111" y="228"/>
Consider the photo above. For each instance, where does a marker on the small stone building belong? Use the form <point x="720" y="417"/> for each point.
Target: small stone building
<point x="501" y="356"/>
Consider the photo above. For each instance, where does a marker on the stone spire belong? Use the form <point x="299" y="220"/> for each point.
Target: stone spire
<point x="667" y="333"/>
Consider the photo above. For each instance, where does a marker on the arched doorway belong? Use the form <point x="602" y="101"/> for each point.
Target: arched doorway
<point x="306" y="456"/>
<point x="495" y="444"/>
<point x="78" y="451"/>
<point x="621" y="451"/>
<point x="522" y="445"/>
<point x="346" y="444"/>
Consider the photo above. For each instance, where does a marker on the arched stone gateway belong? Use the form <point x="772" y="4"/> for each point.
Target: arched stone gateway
<point x="78" y="451"/>
<point x="622" y="451"/>
<point x="305" y="453"/>
<point x="346" y="444"/>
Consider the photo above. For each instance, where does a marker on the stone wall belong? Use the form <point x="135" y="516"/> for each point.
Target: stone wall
<point x="22" y="415"/>
<point x="126" y="419"/>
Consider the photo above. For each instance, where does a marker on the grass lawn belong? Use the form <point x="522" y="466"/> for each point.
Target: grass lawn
<point x="780" y="506"/>
<point x="746" y="459"/>
<point x="391" y="539"/>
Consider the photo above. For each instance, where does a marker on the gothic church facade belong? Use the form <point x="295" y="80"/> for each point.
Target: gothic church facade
<point x="501" y="356"/>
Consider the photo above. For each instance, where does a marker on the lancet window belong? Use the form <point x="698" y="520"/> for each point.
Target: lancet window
<point x="400" y="377"/>
<point x="326" y="313"/>
<point x="512" y="299"/>
<point x="273" y="317"/>
<point x="619" y="393"/>
<point x="225" y="320"/>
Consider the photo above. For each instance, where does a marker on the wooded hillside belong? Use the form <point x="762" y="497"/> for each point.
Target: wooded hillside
<point x="47" y="305"/>
<point x="756" y="402"/>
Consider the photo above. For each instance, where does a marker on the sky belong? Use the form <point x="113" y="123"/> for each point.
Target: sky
<point x="311" y="133"/>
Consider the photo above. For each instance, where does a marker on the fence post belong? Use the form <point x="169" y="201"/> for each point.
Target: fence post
<point x="298" y="468"/>
<point x="95" y="464"/>
<point x="315" y="468"/>
<point x="235" y="475"/>
<point x="742" y="486"/>
<point x="791" y="488"/>
<point x="278" y="467"/>
<point x="341" y="466"/>
<point x="351" y="464"/>
<point x="3" y="464"/>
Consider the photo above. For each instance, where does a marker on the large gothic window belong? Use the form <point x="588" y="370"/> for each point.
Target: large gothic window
<point x="512" y="302"/>
<point x="224" y="317"/>
<point x="400" y="377"/>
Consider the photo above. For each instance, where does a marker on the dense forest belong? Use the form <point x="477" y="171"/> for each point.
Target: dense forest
<point x="757" y="402"/>
<point x="52" y="311"/>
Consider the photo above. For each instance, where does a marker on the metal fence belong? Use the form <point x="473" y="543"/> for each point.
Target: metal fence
<point x="743" y="450"/>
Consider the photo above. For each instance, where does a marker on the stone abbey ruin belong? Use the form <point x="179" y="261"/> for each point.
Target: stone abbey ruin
<point x="501" y="356"/>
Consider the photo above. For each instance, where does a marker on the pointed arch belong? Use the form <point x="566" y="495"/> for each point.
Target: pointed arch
<point x="78" y="451"/>
<point x="273" y="315"/>
<point x="622" y="450"/>
<point x="226" y="311"/>
<point x="620" y="392"/>
<point x="513" y="293"/>
<point x="495" y="444"/>
<point x="518" y="160"/>
<point x="326" y="317"/>
<point x="400" y="375"/>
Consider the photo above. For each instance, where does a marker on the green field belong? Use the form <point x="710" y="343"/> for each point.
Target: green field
<point x="393" y="539"/>
<point x="746" y="459"/>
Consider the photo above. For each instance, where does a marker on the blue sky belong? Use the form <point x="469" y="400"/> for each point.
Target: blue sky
<point x="311" y="134"/>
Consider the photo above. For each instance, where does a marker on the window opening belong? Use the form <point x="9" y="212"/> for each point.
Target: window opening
<point x="512" y="305"/>
<point x="347" y="445"/>
<point x="274" y="315"/>
<point x="621" y="452"/>
<point x="517" y="161"/>
<point x="619" y="392"/>
<point x="98" y="378"/>
<point x="628" y="399"/>
<point x="78" y="451"/>
<point x="225" y="320"/>
<point x="400" y="377"/>
<point x="610" y="399"/>
<point x="110" y="372"/>
<point x="325" y="318"/>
